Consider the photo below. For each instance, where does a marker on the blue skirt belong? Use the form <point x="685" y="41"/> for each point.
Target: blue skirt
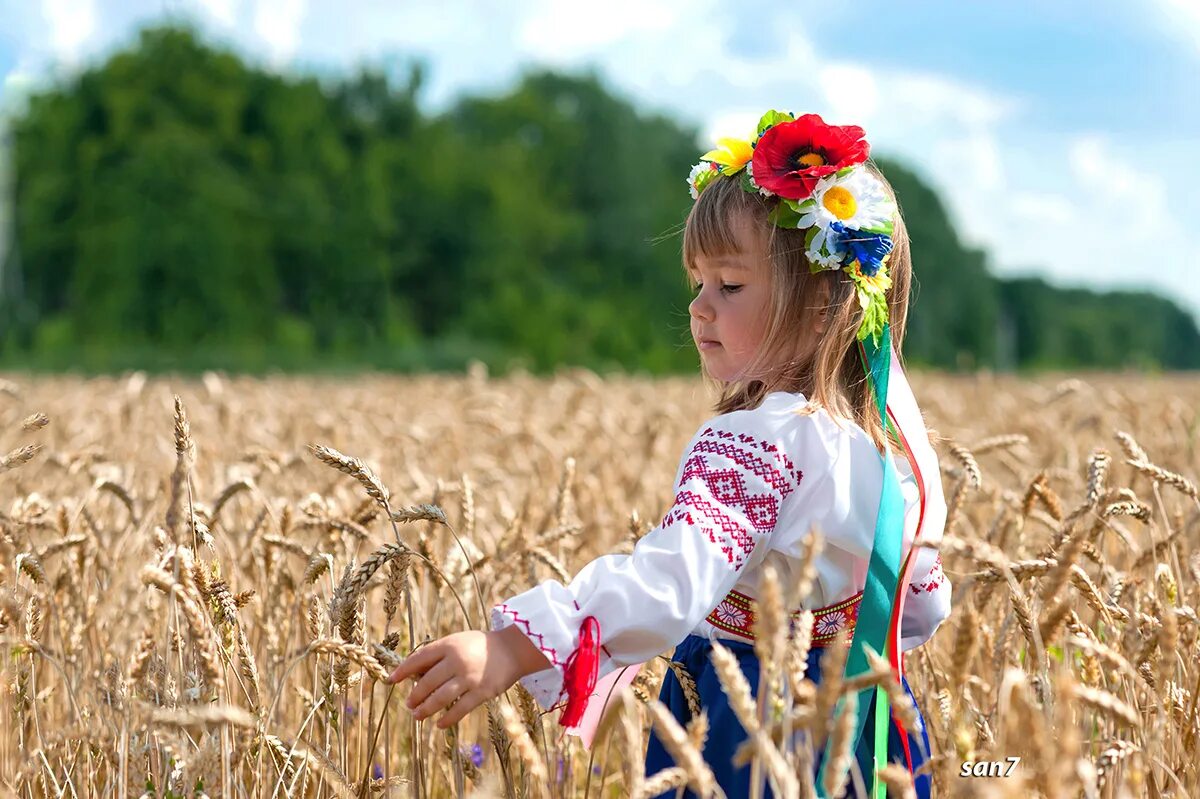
<point x="725" y="732"/>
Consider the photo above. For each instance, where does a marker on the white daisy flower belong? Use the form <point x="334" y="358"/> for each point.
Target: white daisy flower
<point x="703" y="166"/>
<point x="817" y="251"/>
<point x="750" y="174"/>
<point x="857" y="200"/>
<point x="824" y="261"/>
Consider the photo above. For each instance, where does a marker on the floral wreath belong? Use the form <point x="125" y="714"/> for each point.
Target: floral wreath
<point x="817" y="172"/>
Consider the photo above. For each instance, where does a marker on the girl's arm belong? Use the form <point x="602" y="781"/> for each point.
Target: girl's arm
<point x="620" y="610"/>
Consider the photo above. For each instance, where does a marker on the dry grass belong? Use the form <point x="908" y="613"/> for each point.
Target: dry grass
<point x="199" y="596"/>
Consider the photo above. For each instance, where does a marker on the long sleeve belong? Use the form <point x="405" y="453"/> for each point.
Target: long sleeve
<point x="928" y="602"/>
<point x="730" y="489"/>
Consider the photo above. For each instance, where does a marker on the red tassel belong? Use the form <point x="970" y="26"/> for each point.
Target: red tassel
<point x="579" y="675"/>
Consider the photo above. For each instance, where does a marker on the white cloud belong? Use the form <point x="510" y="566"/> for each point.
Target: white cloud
<point x="851" y="91"/>
<point x="224" y="11"/>
<point x="559" y="32"/>
<point x="71" y="23"/>
<point x="277" y="23"/>
<point x="938" y="95"/>
<point x="15" y="87"/>
<point x="1042" y="208"/>
<point x="972" y="156"/>
<point x="1181" y="18"/>
<point x="738" y="123"/>
<point x="1139" y="194"/>
<point x="1101" y="224"/>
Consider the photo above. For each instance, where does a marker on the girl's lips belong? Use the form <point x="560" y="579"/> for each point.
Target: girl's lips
<point x="705" y="344"/>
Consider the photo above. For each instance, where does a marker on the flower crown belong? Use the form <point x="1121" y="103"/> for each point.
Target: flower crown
<point x="816" y="170"/>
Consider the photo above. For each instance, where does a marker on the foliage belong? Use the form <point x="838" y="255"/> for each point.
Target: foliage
<point x="179" y="208"/>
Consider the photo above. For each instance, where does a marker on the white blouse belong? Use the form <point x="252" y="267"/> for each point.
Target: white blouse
<point x="749" y="488"/>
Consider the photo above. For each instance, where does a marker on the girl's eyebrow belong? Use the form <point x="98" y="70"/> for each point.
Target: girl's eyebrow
<point x="733" y="262"/>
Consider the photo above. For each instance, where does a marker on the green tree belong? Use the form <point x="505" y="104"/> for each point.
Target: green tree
<point x="176" y="206"/>
<point x="953" y="304"/>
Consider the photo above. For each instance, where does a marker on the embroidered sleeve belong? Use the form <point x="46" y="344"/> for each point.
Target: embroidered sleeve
<point x="730" y="489"/>
<point x="928" y="602"/>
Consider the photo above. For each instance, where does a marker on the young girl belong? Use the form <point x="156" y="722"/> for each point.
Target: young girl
<point x="800" y="261"/>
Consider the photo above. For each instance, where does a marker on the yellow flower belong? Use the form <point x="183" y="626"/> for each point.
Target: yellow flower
<point x="876" y="284"/>
<point x="731" y="154"/>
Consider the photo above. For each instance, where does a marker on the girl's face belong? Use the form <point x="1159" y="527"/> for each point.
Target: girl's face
<point x="729" y="313"/>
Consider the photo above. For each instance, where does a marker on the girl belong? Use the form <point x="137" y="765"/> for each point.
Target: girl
<point x="800" y="261"/>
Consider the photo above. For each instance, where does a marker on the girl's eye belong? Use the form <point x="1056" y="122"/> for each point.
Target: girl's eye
<point x="728" y="287"/>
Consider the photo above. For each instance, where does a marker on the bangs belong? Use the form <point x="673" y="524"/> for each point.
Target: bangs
<point x="709" y="229"/>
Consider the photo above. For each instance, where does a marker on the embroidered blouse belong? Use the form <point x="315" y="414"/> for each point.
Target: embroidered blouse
<point x="749" y="488"/>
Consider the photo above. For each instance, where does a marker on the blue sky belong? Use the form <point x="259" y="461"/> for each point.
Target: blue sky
<point x="1063" y="135"/>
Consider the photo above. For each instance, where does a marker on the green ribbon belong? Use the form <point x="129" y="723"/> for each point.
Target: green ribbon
<point x="883" y="574"/>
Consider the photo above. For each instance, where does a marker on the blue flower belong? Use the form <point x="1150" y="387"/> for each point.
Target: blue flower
<point x="377" y="772"/>
<point x="475" y="752"/>
<point x="868" y="248"/>
<point x="349" y="710"/>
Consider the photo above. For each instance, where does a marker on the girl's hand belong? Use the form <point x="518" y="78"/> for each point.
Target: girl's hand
<point x="471" y="666"/>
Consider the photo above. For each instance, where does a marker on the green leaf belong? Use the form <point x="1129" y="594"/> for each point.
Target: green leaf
<point x="886" y="229"/>
<point x="746" y="184"/>
<point x="772" y="118"/>
<point x="874" y="315"/>
<point x="783" y="215"/>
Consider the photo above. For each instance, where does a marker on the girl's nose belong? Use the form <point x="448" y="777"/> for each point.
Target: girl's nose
<point x="700" y="307"/>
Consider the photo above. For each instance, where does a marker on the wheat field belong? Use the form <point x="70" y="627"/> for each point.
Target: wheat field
<point x="204" y="581"/>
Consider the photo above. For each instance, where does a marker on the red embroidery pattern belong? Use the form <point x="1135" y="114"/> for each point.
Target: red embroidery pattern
<point x="780" y="456"/>
<point x="748" y="462"/>
<point x="549" y="651"/>
<point x="727" y="492"/>
<point x="933" y="581"/>
<point x="729" y="535"/>
<point x="735" y="615"/>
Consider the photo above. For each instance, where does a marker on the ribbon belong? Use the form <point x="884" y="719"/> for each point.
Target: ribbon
<point x="889" y="569"/>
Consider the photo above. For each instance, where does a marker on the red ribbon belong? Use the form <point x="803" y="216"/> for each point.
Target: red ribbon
<point x="579" y="675"/>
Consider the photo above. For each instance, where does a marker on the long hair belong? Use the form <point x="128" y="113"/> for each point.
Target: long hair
<point x="828" y="371"/>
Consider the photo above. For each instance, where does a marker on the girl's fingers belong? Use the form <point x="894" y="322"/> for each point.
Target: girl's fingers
<point x="458" y="711"/>
<point x="430" y="682"/>
<point x="415" y="664"/>
<point x="443" y="696"/>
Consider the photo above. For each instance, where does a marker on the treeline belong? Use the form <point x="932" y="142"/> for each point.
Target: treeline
<point x="178" y="208"/>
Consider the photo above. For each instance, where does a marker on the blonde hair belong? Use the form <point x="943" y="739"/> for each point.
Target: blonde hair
<point x="831" y="374"/>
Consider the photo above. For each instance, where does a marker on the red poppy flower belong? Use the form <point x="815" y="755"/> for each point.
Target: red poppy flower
<point x="791" y="157"/>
